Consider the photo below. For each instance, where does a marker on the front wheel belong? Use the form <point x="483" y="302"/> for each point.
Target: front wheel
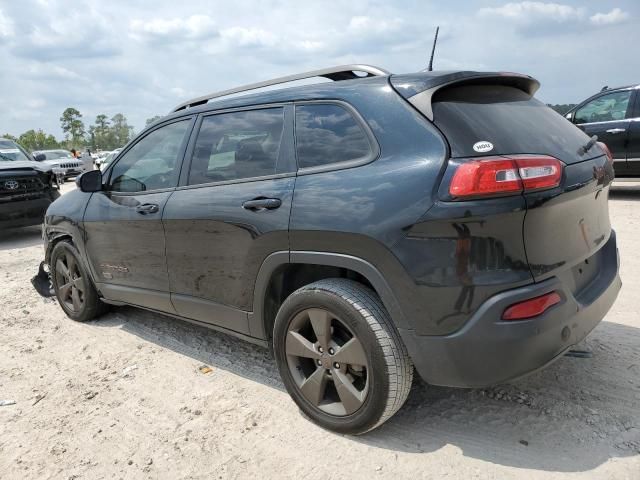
<point x="340" y="357"/>
<point x="73" y="288"/>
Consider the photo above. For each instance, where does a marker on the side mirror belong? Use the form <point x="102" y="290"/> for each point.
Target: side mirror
<point x="40" y="157"/>
<point x="90" y="181"/>
<point x="569" y="116"/>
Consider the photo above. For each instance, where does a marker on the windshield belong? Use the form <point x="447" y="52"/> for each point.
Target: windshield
<point x="56" y="154"/>
<point x="11" y="152"/>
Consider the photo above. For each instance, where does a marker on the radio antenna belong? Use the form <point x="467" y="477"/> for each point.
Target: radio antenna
<point x="433" y="49"/>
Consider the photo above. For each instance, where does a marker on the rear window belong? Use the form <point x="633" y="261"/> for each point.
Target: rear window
<point x="506" y="119"/>
<point x="327" y="134"/>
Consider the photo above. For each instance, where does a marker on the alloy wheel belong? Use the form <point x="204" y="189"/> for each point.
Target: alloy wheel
<point x="70" y="283"/>
<point x="327" y="361"/>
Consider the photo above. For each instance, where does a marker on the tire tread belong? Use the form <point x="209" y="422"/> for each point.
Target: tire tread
<point x="370" y="307"/>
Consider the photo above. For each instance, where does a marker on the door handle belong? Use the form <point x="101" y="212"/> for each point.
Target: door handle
<point x="614" y="131"/>
<point x="258" y="204"/>
<point x="146" y="208"/>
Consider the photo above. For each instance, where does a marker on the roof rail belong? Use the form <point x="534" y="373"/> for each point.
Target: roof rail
<point x="342" y="72"/>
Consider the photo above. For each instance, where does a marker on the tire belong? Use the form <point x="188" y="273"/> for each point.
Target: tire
<point x="351" y="322"/>
<point x="72" y="285"/>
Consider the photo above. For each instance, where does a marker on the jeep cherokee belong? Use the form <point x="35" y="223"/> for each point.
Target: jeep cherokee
<point x="442" y="221"/>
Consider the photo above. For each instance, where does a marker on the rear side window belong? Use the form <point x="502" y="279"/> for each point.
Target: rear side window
<point x="500" y="120"/>
<point x="327" y="134"/>
<point x="605" y="108"/>
<point x="237" y="145"/>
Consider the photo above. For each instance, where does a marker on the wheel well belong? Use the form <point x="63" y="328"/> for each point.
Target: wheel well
<point x="54" y="242"/>
<point x="288" y="278"/>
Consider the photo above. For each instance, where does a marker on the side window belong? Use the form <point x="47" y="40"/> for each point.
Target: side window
<point x="237" y="145"/>
<point x="612" y="106"/>
<point x="153" y="162"/>
<point x="328" y="134"/>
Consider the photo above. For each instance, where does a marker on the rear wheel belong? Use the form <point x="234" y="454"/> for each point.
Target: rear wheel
<point x="74" y="290"/>
<point x="340" y="357"/>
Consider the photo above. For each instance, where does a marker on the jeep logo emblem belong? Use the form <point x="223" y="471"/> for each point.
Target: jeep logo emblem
<point x="11" y="185"/>
<point x="483" y="146"/>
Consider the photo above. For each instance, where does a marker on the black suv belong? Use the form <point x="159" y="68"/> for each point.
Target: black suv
<point x="27" y="188"/>
<point x="363" y="227"/>
<point x="614" y="116"/>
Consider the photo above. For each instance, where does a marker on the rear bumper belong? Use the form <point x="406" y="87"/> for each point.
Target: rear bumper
<point x="24" y="213"/>
<point x="487" y="350"/>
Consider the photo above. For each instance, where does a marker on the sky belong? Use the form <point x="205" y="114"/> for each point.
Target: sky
<point x="142" y="58"/>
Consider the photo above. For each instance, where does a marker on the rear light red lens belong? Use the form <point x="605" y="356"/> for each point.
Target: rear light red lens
<point x="532" y="307"/>
<point x="493" y="176"/>
<point x="485" y="177"/>
<point x="604" y="147"/>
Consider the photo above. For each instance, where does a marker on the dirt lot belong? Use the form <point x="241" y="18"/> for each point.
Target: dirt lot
<point x="123" y="397"/>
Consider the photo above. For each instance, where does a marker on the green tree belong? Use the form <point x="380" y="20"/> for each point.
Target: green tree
<point x="38" y="140"/>
<point x="121" y="131"/>
<point x="8" y="136"/>
<point x="73" y="127"/>
<point x="153" y="119"/>
<point x="100" y="133"/>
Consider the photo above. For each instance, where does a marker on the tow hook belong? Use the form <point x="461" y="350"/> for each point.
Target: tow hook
<point x="42" y="282"/>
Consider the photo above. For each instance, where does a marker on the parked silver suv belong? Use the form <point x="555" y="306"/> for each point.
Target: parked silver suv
<point x="62" y="160"/>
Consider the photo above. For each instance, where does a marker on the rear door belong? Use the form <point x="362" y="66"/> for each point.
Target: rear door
<point x="607" y="116"/>
<point x="123" y="223"/>
<point x="230" y="212"/>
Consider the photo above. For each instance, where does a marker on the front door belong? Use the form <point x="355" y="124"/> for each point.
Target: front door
<point x="230" y="214"/>
<point x="123" y="224"/>
<point x="607" y="117"/>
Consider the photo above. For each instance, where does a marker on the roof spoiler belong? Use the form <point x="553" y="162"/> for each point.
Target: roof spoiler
<point x="419" y="88"/>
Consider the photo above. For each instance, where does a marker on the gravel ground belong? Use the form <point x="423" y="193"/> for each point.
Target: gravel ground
<point x="126" y="397"/>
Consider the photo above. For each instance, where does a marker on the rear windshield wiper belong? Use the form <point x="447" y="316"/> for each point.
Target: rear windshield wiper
<point x="586" y="147"/>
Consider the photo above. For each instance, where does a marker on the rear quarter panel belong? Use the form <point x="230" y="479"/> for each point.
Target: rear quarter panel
<point x="366" y="211"/>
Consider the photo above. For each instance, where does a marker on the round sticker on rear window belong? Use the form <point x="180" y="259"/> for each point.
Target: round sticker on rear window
<point x="483" y="146"/>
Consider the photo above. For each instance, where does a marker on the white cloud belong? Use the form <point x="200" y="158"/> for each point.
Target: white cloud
<point x="6" y="26"/>
<point x="310" y="45"/>
<point x="179" y="92"/>
<point x="110" y="57"/>
<point x="614" y="16"/>
<point x="36" y="103"/>
<point x="46" y="70"/>
<point x="249" y="37"/>
<point x="366" y="24"/>
<point x="190" y="28"/>
<point x="529" y="12"/>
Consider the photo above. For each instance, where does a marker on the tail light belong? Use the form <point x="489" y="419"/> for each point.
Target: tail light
<point x="491" y="176"/>
<point x="532" y="307"/>
<point x="606" y="150"/>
